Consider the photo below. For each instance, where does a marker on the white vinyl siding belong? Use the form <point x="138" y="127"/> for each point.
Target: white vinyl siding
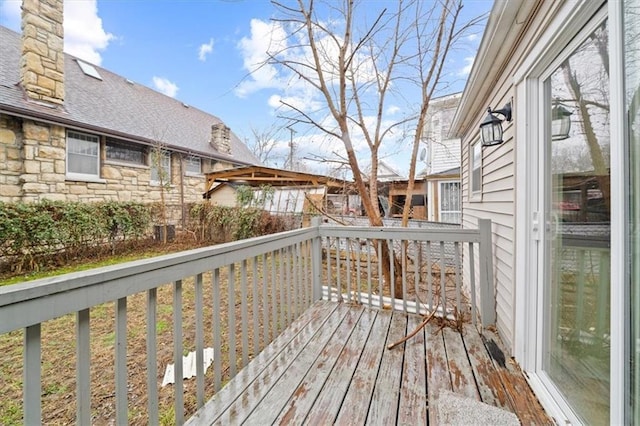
<point x="495" y="201"/>
<point x="83" y="156"/>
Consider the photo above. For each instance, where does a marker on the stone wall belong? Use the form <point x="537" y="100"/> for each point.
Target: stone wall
<point x="33" y="168"/>
<point x="42" y="58"/>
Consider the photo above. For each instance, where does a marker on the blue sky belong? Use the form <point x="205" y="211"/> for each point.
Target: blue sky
<point x="200" y="52"/>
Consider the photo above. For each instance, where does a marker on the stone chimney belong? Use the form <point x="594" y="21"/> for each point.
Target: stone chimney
<point x="42" y="63"/>
<point x="220" y="138"/>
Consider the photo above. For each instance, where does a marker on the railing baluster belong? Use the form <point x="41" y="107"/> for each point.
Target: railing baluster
<point x="281" y="285"/>
<point x="392" y="272"/>
<point x="265" y="300"/>
<point x="404" y="265"/>
<point x="256" y="314"/>
<point x="177" y="353"/>
<point x="122" y="410"/>
<point x="358" y="277"/>
<point x="369" y="247"/>
<point x="83" y="368"/>
<point x="244" y="326"/>
<point x="603" y="292"/>
<point x="458" y="277"/>
<point x="472" y="281"/>
<point x="294" y="281"/>
<point x="217" y="341"/>
<point x="232" y="319"/>
<point x="328" y="257"/>
<point x="338" y="272"/>
<point x="416" y="273"/>
<point x="380" y="277"/>
<point x="429" y="277"/>
<point x="274" y="297"/>
<point x="152" y="366"/>
<point x="580" y="289"/>
<point x="443" y="280"/>
<point x="347" y="255"/>
<point x="32" y="375"/>
<point x="199" y="341"/>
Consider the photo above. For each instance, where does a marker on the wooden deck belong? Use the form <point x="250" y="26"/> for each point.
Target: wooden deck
<point x="332" y="366"/>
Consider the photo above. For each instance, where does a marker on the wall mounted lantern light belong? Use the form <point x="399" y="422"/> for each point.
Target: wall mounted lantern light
<point x="560" y="122"/>
<point x="491" y="126"/>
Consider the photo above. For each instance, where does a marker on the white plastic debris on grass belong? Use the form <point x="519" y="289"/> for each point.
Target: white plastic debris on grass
<point x="188" y="366"/>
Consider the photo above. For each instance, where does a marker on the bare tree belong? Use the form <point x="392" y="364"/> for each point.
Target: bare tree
<point x="263" y="144"/>
<point x="359" y="64"/>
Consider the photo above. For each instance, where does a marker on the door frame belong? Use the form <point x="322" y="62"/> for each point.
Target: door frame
<point x="572" y="19"/>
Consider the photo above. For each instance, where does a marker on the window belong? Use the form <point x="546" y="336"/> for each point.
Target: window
<point x="160" y="167"/>
<point x="83" y="159"/>
<point x="193" y="165"/>
<point x="476" y="169"/>
<point x="450" y="209"/>
<point x="126" y="152"/>
<point x="89" y="69"/>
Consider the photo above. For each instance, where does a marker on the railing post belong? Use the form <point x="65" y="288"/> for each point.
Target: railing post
<point x="316" y="259"/>
<point x="487" y="299"/>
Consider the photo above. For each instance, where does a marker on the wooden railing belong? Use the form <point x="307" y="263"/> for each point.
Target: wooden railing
<point x="449" y="270"/>
<point x="235" y="298"/>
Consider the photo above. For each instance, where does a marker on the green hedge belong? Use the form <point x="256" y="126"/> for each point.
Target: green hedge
<point x="30" y="232"/>
<point x="219" y="224"/>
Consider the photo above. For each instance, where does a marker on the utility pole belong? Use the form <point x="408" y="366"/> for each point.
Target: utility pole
<point x="291" y="146"/>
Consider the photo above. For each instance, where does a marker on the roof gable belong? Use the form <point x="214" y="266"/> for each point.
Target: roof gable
<point x="116" y="106"/>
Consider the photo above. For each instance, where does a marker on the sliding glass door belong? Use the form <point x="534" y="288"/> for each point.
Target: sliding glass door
<point x="577" y="206"/>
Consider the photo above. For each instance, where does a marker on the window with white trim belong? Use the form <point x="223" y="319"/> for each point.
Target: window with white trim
<point x="160" y="167"/>
<point x="193" y="165"/>
<point x="450" y="208"/>
<point x="126" y="152"/>
<point x="475" y="162"/>
<point x="83" y="155"/>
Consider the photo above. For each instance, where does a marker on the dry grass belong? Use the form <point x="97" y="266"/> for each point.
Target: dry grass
<point x="59" y="357"/>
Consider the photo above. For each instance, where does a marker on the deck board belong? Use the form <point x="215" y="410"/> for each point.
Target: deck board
<point x="412" y="407"/>
<point x="384" y="401"/>
<point x="438" y="377"/>
<point x="327" y="404"/>
<point x="355" y="405"/>
<point x="331" y="366"/>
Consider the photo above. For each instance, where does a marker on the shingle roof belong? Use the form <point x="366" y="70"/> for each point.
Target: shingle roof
<point x="115" y="106"/>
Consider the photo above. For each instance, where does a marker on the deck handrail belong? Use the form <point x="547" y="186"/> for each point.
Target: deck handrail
<point x="291" y="264"/>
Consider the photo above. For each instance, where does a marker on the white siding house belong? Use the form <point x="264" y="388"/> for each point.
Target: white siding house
<point x="561" y="189"/>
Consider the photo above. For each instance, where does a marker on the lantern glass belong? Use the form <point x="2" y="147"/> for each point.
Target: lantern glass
<point x="560" y="122"/>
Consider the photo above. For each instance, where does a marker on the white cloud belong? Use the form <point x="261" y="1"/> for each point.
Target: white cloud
<point x="205" y="49"/>
<point x="265" y="37"/>
<point x="84" y="35"/>
<point x="472" y="37"/>
<point x="393" y="109"/>
<point x="467" y="68"/>
<point x="165" y="86"/>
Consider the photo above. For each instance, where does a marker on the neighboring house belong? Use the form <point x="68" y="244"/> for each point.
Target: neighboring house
<point x="442" y="157"/>
<point x="70" y="130"/>
<point x="562" y="189"/>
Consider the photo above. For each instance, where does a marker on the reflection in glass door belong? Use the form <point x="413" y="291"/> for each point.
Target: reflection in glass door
<point x="578" y="212"/>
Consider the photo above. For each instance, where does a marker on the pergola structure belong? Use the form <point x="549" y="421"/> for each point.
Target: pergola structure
<point x="259" y="175"/>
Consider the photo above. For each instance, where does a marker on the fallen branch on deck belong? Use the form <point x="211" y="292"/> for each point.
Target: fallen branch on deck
<point x="417" y="329"/>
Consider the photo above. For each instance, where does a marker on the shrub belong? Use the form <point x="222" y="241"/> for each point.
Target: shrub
<point x="30" y="233"/>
